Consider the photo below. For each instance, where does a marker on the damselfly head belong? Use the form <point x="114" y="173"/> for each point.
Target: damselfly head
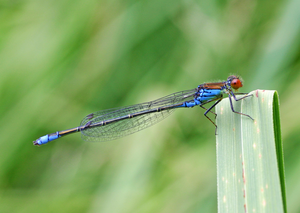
<point x="235" y="82"/>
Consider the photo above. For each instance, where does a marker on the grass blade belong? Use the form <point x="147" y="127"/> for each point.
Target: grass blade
<point x="249" y="155"/>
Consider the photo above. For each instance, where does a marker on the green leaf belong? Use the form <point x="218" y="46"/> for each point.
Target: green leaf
<point x="250" y="163"/>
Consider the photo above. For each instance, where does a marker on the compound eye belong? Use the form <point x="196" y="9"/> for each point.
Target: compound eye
<point x="236" y="83"/>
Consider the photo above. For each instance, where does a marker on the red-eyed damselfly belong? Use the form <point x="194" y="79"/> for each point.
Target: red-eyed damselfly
<point x="115" y="123"/>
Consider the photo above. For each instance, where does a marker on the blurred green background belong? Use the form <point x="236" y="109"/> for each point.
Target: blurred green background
<point x="61" y="60"/>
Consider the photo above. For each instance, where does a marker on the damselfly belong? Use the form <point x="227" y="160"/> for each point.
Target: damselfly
<point x="115" y="123"/>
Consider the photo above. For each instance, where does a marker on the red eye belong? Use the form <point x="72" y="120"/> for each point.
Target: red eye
<point x="236" y="83"/>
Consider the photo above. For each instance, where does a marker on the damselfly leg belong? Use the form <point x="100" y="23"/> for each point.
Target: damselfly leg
<point x="231" y="106"/>
<point x="209" y="110"/>
<point x="231" y="94"/>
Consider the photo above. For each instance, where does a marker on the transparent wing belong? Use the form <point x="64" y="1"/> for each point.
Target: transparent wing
<point x="128" y="126"/>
